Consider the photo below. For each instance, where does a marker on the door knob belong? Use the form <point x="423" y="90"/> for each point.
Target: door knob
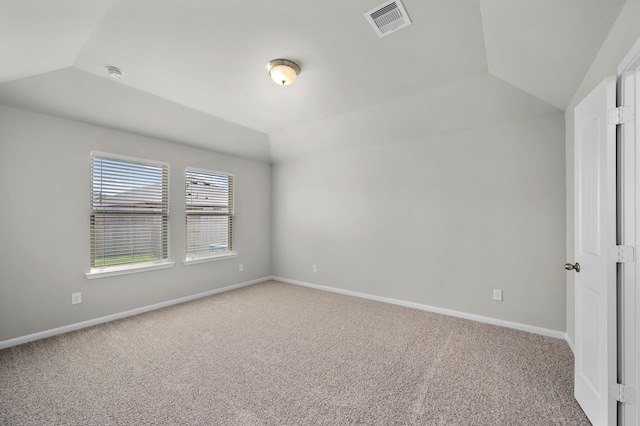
<point x="571" y="267"/>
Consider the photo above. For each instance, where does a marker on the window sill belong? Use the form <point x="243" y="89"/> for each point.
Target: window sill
<point x="110" y="271"/>
<point x="211" y="258"/>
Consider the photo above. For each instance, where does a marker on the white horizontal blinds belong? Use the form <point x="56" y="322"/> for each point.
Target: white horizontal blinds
<point x="129" y="211"/>
<point x="209" y="208"/>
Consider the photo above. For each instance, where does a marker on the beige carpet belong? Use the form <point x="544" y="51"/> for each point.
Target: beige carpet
<point x="277" y="354"/>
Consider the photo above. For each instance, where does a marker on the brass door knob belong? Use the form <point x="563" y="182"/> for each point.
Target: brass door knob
<point x="572" y="267"/>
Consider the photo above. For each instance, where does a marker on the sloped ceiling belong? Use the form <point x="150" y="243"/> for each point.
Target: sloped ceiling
<point x="194" y="67"/>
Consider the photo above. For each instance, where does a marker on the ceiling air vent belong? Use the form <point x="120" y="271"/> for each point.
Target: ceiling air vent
<point x="388" y="17"/>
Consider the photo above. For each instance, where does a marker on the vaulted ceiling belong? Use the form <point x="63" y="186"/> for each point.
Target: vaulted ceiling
<point x="191" y="65"/>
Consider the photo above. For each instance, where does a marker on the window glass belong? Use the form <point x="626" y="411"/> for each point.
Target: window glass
<point x="209" y="213"/>
<point x="129" y="211"/>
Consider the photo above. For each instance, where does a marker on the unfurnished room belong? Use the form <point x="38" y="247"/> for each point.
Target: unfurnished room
<point x="404" y="212"/>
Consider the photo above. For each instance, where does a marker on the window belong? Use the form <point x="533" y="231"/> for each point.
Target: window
<point x="209" y="215"/>
<point x="129" y="214"/>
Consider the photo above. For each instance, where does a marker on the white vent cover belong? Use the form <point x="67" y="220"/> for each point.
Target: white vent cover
<point x="388" y="17"/>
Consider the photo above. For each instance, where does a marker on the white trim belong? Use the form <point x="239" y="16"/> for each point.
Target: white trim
<point x="132" y="268"/>
<point x="137" y="160"/>
<point x="203" y="259"/>
<point x="479" y="318"/>
<point x="77" y="326"/>
<point x="129" y="268"/>
<point x="569" y="341"/>
<point x="487" y="320"/>
<point x="631" y="61"/>
<point x="628" y="138"/>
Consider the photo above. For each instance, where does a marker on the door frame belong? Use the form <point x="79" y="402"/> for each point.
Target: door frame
<point x="628" y="87"/>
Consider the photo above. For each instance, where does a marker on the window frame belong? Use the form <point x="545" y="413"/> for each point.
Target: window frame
<point x="131" y="267"/>
<point x="230" y="254"/>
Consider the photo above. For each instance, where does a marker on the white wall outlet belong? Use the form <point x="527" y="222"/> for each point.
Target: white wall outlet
<point x="497" y="295"/>
<point x="76" y="298"/>
<point x="241" y="267"/>
<point x="315" y="268"/>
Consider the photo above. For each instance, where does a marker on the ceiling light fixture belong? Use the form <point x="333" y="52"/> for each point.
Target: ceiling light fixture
<point x="283" y="71"/>
<point x="115" y="72"/>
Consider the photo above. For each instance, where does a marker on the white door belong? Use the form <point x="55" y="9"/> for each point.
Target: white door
<point x="595" y="235"/>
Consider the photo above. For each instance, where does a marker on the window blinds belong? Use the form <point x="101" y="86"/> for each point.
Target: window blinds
<point x="129" y="211"/>
<point x="209" y="213"/>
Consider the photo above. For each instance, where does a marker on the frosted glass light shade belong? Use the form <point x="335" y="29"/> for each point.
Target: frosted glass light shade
<point x="283" y="71"/>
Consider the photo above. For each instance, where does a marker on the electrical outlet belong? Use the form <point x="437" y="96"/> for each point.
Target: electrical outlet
<point x="241" y="267"/>
<point x="315" y="268"/>
<point x="76" y="298"/>
<point x="497" y="295"/>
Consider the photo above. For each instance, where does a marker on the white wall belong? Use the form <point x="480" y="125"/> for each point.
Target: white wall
<point x="621" y="38"/>
<point x="44" y="224"/>
<point x="449" y="172"/>
<point x="439" y="218"/>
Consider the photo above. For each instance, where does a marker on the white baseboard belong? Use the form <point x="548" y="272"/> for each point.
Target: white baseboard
<point x="120" y="315"/>
<point x="487" y="320"/>
<point x="569" y="341"/>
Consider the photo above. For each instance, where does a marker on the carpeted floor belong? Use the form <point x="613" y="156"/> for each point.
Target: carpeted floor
<point x="278" y="354"/>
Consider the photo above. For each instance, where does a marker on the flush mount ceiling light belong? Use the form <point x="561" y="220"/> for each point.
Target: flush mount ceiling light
<point x="283" y="71"/>
<point x="115" y="72"/>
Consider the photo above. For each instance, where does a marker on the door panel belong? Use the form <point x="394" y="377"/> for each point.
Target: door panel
<point x="595" y="234"/>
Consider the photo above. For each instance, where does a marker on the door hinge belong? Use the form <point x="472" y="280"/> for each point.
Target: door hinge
<point x="622" y="393"/>
<point x="621" y="115"/>
<point x="621" y="254"/>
